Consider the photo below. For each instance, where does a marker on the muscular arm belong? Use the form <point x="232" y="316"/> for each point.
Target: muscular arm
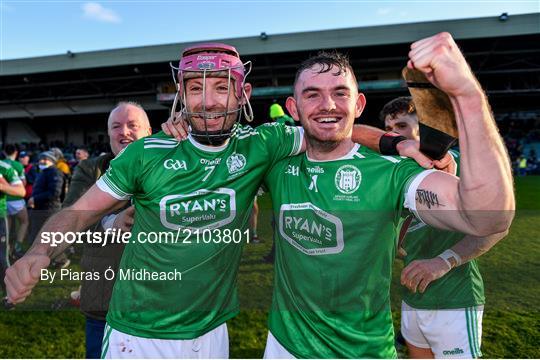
<point x="89" y="209"/>
<point x="481" y="201"/>
<point x="368" y="136"/>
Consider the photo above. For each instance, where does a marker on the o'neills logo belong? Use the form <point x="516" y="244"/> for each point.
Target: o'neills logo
<point x="200" y="209"/>
<point x="311" y="230"/>
<point x="315" y="170"/>
<point x="456" y="351"/>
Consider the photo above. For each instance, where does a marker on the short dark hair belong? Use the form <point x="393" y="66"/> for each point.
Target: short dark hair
<point x="10" y="149"/>
<point x="400" y="105"/>
<point x="327" y="60"/>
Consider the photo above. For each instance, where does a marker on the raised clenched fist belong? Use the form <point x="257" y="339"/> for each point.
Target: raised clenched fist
<point x="440" y="59"/>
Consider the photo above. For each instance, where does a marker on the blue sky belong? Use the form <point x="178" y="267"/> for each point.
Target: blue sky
<point x="37" y="28"/>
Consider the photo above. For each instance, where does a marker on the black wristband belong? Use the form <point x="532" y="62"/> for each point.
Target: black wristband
<point x="388" y="143"/>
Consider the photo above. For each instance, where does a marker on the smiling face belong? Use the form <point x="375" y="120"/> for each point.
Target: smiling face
<point x="210" y="99"/>
<point x="326" y="103"/>
<point x="126" y="124"/>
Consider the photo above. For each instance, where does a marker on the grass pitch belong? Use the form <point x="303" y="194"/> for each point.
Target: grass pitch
<point x="511" y="274"/>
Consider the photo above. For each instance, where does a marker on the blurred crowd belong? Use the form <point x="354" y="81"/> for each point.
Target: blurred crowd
<point x="522" y="139"/>
<point x="46" y="175"/>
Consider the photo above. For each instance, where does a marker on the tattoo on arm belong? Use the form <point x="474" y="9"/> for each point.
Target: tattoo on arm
<point x="428" y="198"/>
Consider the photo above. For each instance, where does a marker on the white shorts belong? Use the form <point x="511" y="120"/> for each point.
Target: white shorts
<point x="450" y="334"/>
<point x="118" y="345"/>
<point x="15" y="206"/>
<point x="274" y="350"/>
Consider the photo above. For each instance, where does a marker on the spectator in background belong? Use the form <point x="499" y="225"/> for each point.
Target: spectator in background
<point x="63" y="166"/>
<point x="278" y="115"/>
<point x="61" y="162"/>
<point x="30" y="173"/>
<point x="16" y="206"/>
<point x="522" y="165"/>
<point x="81" y="154"/>
<point x="45" y="199"/>
<point x="127" y="122"/>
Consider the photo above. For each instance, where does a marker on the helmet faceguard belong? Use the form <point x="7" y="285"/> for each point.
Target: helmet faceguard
<point x="212" y="60"/>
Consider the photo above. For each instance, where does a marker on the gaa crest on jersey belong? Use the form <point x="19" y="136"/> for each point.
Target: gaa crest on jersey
<point x="236" y="162"/>
<point x="348" y="179"/>
<point x="171" y="164"/>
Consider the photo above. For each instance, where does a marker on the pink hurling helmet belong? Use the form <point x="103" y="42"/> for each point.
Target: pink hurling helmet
<point x="207" y="60"/>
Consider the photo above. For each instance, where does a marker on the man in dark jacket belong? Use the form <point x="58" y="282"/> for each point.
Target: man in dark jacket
<point x="127" y="122"/>
<point x="48" y="185"/>
<point x="46" y="198"/>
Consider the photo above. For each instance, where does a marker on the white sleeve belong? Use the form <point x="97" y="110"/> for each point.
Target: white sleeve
<point x="410" y="192"/>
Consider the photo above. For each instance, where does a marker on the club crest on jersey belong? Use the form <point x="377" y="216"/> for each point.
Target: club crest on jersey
<point x="235" y="163"/>
<point x="348" y="179"/>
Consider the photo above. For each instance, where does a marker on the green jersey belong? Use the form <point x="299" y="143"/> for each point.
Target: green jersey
<point x="336" y="225"/>
<point x="461" y="287"/>
<point x="8" y="173"/>
<point x="285" y="120"/>
<point x="201" y="196"/>
<point x="19" y="170"/>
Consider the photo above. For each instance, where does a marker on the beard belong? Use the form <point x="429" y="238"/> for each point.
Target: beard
<point x="213" y="137"/>
<point x="324" y="145"/>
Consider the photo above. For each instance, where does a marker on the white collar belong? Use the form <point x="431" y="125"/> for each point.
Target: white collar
<point x="347" y="156"/>
<point x="208" y="148"/>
